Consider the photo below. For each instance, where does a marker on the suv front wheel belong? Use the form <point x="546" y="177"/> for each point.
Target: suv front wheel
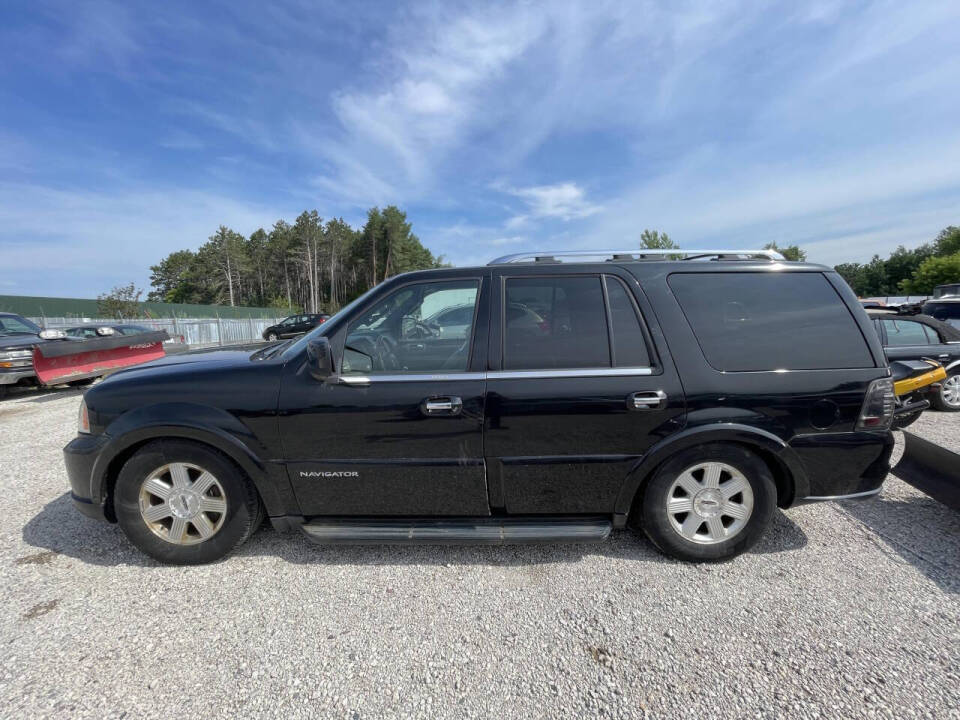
<point x="184" y="503"/>
<point x="710" y="502"/>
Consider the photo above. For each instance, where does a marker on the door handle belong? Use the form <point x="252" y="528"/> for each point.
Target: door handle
<point x="432" y="406"/>
<point x="652" y="400"/>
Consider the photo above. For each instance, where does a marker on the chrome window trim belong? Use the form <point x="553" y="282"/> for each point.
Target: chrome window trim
<point x="412" y="377"/>
<point x="573" y="373"/>
<point x="496" y="375"/>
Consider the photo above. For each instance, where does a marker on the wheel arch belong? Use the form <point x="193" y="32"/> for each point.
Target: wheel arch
<point x="108" y="465"/>
<point x="787" y="471"/>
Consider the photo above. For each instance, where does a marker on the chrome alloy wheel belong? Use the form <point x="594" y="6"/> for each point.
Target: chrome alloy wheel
<point x="182" y="503"/>
<point x="709" y="502"/>
<point x="950" y="391"/>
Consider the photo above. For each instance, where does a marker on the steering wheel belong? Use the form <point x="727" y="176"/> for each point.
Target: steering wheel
<point x="423" y="330"/>
<point x="386" y="353"/>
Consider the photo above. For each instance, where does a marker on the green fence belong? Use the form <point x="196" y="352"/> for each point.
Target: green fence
<point x="79" y="308"/>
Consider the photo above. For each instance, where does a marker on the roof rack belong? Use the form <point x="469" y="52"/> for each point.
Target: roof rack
<point x="641" y="254"/>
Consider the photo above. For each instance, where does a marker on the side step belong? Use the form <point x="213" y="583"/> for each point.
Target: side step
<point x="433" y="531"/>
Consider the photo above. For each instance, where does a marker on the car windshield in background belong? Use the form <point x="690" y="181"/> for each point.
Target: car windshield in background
<point x="15" y="325"/>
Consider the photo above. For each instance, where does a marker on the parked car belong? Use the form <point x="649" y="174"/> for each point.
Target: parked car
<point x="946" y="309"/>
<point x="294" y="325"/>
<point x="83" y="332"/>
<point x="686" y="399"/>
<point x="18" y="337"/>
<point x="915" y="337"/>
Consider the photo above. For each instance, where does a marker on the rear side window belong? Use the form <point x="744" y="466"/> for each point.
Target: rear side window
<point x="770" y="321"/>
<point x="905" y="332"/>
<point x="629" y="345"/>
<point x="555" y="322"/>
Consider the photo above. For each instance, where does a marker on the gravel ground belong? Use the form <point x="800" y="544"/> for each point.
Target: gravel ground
<point x="942" y="428"/>
<point x="844" y="610"/>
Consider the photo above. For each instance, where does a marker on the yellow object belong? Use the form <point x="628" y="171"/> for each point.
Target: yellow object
<point x="908" y="385"/>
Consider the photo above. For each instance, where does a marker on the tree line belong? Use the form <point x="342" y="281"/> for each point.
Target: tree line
<point x="908" y="271"/>
<point x="313" y="265"/>
<point x="310" y="265"/>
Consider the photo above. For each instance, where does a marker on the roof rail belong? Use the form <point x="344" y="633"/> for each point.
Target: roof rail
<point x="641" y="254"/>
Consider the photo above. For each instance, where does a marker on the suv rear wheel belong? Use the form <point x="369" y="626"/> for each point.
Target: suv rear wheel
<point x="710" y="502"/>
<point x="184" y="503"/>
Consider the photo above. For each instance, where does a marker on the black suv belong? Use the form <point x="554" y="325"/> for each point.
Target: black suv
<point x="294" y="325"/>
<point x="685" y="398"/>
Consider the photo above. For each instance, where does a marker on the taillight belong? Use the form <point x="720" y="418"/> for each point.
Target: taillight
<point x="878" y="405"/>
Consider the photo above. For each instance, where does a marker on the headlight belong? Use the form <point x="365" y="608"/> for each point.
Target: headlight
<point x="83" y="419"/>
<point x="16" y="358"/>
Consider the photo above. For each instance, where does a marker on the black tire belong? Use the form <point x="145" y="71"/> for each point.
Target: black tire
<point x="939" y="400"/>
<point x="3" y="391"/>
<point x="655" y="521"/>
<point x="81" y="383"/>
<point x="272" y="337"/>
<point x="243" y="515"/>
<point x="902" y="421"/>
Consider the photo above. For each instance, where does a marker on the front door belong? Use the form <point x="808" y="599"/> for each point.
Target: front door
<point x="400" y="430"/>
<point x="577" y="392"/>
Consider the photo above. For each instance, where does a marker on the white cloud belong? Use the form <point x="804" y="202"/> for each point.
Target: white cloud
<point x="564" y="201"/>
<point x="86" y="241"/>
<point x="430" y="98"/>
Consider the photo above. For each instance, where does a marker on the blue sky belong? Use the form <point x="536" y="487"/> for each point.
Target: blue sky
<point x="129" y="130"/>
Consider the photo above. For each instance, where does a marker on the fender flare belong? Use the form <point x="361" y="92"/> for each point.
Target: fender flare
<point x="142" y="425"/>
<point x="765" y="442"/>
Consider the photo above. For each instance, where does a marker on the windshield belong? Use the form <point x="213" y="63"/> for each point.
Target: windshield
<point x="16" y="325"/>
<point x="327" y="327"/>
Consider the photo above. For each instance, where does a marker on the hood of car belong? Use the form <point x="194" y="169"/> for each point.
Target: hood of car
<point x="18" y="342"/>
<point x="189" y="361"/>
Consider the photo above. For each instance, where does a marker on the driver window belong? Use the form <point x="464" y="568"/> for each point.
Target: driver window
<point x="425" y="327"/>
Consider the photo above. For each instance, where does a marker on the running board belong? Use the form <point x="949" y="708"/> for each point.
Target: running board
<point x="432" y="531"/>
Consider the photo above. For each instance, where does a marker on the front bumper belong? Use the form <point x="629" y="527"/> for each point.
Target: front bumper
<point x="11" y="377"/>
<point x="80" y="457"/>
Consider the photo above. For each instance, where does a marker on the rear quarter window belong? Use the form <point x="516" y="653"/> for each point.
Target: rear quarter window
<point x="748" y="321"/>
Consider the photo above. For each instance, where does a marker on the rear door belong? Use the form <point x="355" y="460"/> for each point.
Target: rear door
<point x="576" y="391"/>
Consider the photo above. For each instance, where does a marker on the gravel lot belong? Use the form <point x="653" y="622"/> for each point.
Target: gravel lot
<point x="942" y="428"/>
<point x="848" y="610"/>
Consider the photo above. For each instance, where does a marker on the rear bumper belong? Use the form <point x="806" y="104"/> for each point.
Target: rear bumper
<point x="80" y="456"/>
<point x="844" y="465"/>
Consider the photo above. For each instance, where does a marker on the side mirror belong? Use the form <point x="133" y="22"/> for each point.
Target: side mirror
<point x="320" y="358"/>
